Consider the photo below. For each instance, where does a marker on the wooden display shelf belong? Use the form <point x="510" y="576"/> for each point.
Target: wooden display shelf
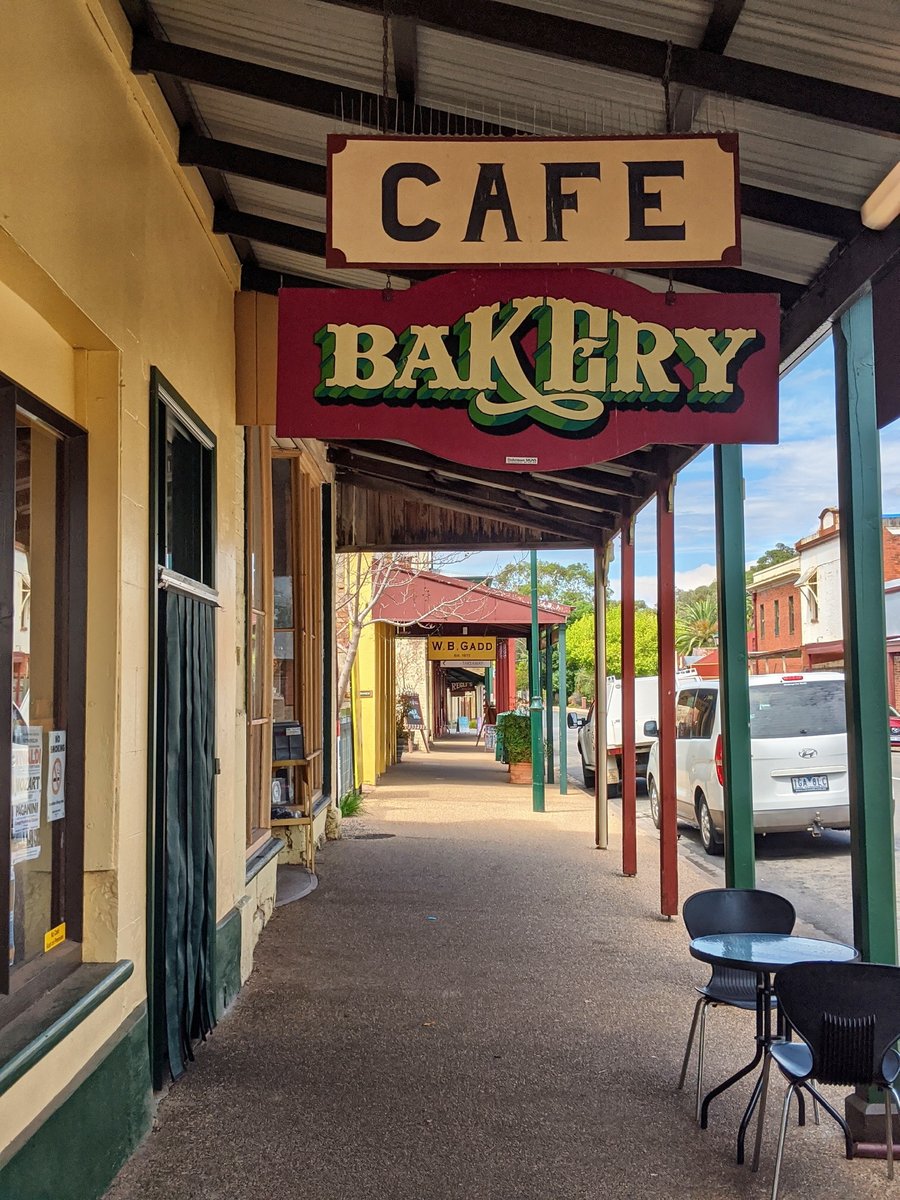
<point x="304" y="809"/>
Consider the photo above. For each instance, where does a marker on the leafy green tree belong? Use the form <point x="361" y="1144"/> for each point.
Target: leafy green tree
<point x="560" y="583"/>
<point x="580" y="641"/>
<point x="697" y="625"/>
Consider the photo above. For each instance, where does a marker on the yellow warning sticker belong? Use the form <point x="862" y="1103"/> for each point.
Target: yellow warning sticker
<point x="54" y="936"/>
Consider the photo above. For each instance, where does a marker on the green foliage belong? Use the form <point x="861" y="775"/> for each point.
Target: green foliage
<point x="687" y="597"/>
<point x="516" y="737"/>
<point x="580" y="641"/>
<point x="697" y="625"/>
<point x="779" y="553"/>
<point x="351" y="803"/>
<point x="561" y="583"/>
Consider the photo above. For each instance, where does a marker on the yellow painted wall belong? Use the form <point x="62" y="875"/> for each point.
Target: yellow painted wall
<point x="376" y="689"/>
<point x="107" y="267"/>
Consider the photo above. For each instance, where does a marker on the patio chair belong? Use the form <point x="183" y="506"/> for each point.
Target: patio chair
<point x="849" y="1017"/>
<point x="729" y="910"/>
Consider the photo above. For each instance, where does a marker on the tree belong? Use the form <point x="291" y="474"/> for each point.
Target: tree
<point x="697" y="625"/>
<point x="560" y="583"/>
<point x="779" y="553"/>
<point x="363" y="579"/>
<point x="580" y="641"/>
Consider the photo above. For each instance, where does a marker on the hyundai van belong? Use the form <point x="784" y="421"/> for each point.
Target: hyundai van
<point x="798" y="745"/>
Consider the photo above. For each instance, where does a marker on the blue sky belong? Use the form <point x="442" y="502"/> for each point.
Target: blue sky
<point x="786" y="487"/>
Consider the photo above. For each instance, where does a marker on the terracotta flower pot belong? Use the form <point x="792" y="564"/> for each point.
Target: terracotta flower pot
<point x="520" y="772"/>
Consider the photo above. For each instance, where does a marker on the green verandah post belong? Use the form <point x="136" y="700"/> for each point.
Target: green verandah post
<point x="734" y="667"/>
<point x="865" y="667"/>
<point x="537" y="724"/>
<point x="548" y="692"/>
<point x="563" y="715"/>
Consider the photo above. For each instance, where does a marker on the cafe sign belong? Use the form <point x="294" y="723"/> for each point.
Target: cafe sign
<point x="405" y="202"/>
<point x="462" y="649"/>
<point x="528" y="370"/>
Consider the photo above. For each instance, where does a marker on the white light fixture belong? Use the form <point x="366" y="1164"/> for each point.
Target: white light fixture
<point x="884" y="203"/>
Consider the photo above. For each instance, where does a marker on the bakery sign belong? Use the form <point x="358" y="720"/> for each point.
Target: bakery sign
<point x="526" y="370"/>
<point x="396" y="202"/>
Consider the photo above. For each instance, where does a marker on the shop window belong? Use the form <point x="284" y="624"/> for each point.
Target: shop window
<point x="43" y="499"/>
<point x="812" y="596"/>
<point x="298" y="678"/>
<point x="259" y="631"/>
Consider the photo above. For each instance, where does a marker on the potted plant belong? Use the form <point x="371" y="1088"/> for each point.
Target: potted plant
<point x="517" y="746"/>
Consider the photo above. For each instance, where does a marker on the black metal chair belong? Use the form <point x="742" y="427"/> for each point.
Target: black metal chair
<point x="729" y="910"/>
<point x="849" y="1017"/>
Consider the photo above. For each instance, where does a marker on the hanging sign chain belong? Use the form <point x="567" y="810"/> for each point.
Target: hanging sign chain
<point x="385" y="22"/>
<point x="670" y="290"/>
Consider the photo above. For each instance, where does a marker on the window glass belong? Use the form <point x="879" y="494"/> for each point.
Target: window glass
<point x="284" y="707"/>
<point x="790" y="614"/>
<point x="705" y="710"/>
<point x="186" y="472"/>
<point x="684" y="704"/>
<point x="808" y="709"/>
<point x="37" y="818"/>
<point x="776" y="618"/>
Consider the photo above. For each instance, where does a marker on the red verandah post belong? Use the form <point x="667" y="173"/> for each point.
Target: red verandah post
<point x="665" y="591"/>
<point x="629" y="768"/>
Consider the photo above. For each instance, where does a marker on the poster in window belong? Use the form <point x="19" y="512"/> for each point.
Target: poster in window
<point x="56" y="776"/>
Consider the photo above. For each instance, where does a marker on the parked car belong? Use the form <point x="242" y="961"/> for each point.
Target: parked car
<point x="798" y="745"/>
<point x="646" y="707"/>
<point x="894" y="725"/>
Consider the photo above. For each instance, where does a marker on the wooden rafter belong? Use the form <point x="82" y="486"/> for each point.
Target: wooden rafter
<point x="546" y="34"/>
<point x="513" y="506"/>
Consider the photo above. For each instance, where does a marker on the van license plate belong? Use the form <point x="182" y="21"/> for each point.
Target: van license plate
<point x="809" y="783"/>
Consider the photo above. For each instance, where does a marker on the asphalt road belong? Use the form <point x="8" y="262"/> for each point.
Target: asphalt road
<point x="813" y="873"/>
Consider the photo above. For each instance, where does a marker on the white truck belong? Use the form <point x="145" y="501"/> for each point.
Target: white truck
<point x="646" y="708"/>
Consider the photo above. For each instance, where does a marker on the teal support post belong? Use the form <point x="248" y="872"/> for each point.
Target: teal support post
<point x="563" y="714"/>
<point x="488" y="685"/>
<point x="548" y="702"/>
<point x="601" y="785"/>
<point x="536" y="706"/>
<point x="734" y="668"/>
<point x="865" y="668"/>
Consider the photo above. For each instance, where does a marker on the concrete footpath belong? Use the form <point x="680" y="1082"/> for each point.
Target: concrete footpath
<point x="473" y="1004"/>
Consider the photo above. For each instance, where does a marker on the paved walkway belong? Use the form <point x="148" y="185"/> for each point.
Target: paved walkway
<point x="473" y="1004"/>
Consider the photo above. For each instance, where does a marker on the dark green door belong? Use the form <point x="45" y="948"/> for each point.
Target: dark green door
<point x="181" y="891"/>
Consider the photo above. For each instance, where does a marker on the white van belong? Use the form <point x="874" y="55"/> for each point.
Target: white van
<point x="798" y="746"/>
<point x="646" y="708"/>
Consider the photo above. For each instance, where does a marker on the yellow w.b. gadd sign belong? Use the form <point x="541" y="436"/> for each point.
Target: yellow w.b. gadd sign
<point x="462" y="649"/>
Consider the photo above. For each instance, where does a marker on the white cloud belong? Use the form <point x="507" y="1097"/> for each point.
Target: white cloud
<point x="645" y="585"/>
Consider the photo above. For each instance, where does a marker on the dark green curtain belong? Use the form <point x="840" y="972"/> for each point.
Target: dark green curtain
<point x="189" y="834"/>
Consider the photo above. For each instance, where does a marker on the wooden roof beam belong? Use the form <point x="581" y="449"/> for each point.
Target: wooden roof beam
<point x="331" y="100"/>
<point x="583" y="522"/>
<point x="526" y="520"/>
<point x="410" y="456"/>
<point x="404" y="44"/>
<point x="553" y="36"/>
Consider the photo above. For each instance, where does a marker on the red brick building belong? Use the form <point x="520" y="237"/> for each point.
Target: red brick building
<point x="775" y="642"/>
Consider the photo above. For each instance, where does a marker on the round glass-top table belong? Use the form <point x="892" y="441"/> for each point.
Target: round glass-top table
<point x="767" y="951"/>
<point x="762" y="954"/>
